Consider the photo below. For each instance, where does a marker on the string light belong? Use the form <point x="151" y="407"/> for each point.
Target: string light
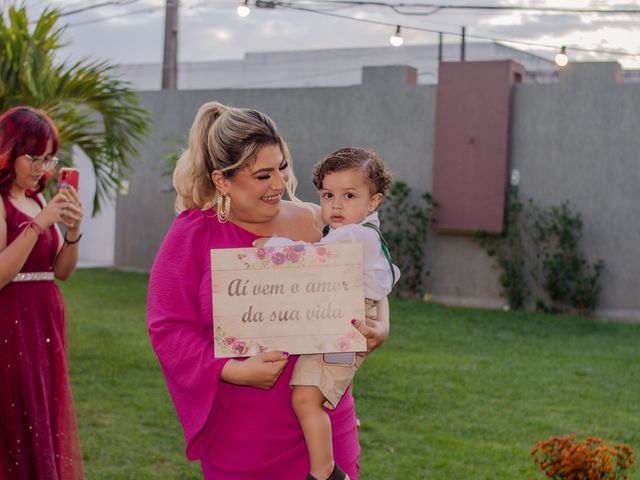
<point x="561" y="58"/>
<point x="396" y="39"/>
<point x="289" y="5"/>
<point x="244" y="10"/>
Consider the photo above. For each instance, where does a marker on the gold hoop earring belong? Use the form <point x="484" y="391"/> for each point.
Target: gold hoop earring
<point x="223" y="213"/>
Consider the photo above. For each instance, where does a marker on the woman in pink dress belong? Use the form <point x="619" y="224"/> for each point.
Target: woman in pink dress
<point x="236" y="414"/>
<point x="38" y="431"/>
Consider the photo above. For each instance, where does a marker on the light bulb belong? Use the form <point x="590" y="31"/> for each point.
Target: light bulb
<point x="396" y="39"/>
<point x="561" y="58"/>
<point x="244" y="10"/>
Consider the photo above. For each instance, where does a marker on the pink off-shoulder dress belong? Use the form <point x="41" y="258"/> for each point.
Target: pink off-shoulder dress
<point x="237" y="432"/>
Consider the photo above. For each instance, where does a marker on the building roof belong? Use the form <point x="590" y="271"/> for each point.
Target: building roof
<point x="329" y="67"/>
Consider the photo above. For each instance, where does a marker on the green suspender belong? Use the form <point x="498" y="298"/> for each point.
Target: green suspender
<point x="385" y="249"/>
<point x="383" y="245"/>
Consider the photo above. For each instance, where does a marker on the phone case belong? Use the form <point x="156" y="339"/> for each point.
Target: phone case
<point x="344" y="359"/>
<point x="68" y="177"/>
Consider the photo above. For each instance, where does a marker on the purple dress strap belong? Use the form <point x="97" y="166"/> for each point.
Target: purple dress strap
<point x="43" y="254"/>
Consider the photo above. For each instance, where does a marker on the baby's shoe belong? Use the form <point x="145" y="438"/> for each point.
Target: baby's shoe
<point x="337" y="474"/>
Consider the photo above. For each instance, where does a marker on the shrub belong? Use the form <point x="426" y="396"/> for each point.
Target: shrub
<point x="541" y="246"/>
<point x="405" y="223"/>
<point x="509" y="252"/>
<point x="569" y="280"/>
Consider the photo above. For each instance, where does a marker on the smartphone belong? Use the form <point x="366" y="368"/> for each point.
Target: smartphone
<point x="68" y="177"/>
<point x="340" y="358"/>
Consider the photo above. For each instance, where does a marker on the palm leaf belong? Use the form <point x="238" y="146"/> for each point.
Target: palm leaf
<point x="92" y="108"/>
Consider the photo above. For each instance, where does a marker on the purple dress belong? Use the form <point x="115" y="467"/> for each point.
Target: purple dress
<point x="38" y="429"/>
<point x="237" y="432"/>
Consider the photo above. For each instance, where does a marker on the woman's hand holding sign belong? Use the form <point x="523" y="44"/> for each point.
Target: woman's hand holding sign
<point x="260" y="371"/>
<point x="376" y="331"/>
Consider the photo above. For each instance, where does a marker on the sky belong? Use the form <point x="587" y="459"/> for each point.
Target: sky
<point x="131" y="31"/>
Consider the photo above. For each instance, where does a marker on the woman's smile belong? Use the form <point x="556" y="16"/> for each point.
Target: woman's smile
<point x="272" y="199"/>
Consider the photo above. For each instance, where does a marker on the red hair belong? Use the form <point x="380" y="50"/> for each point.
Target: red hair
<point x="24" y="131"/>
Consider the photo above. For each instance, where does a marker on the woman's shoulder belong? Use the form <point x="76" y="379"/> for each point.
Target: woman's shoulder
<point x="300" y="221"/>
<point x="185" y="241"/>
<point x="189" y="223"/>
<point x="306" y="212"/>
<point x="190" y="216"/>
<point x="300" y="207"/>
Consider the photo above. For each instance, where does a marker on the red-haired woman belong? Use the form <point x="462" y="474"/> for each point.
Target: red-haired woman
<point x="38" y="430"/>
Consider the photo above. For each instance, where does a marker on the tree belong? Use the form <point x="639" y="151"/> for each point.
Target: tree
<point x="92" y="109"/>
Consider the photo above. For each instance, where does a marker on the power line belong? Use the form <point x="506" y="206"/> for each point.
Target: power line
<point x="437" y="7"/>
<point x="104" y="19"/>
<point x="97" y="5"/>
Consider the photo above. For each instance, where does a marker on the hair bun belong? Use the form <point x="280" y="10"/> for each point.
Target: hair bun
<point x="212" y="110"/>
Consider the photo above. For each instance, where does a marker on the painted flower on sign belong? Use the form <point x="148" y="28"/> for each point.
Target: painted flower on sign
<point x="278" y="258"/>
<point x="231" y="346"/>
<point x="294" y="253"/>
<point x="345" y="342"/>
<point x="239" y="348"/>
<point x="290" y="255"/>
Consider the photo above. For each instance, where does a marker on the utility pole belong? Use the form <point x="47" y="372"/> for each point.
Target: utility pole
<point x="440" y="35"/>
<point x="463" y="45"/>
<point x="170" y="58"/>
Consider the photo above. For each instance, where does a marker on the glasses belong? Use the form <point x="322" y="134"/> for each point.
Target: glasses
<point x="46" y="162"/>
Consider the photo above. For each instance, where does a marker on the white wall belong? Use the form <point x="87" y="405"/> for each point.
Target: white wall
<point x="97" y="247"/>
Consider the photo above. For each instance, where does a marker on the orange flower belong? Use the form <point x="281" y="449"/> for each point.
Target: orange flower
<point x="562" y="459"/>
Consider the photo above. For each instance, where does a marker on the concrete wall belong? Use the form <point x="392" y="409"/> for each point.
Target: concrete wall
<point x="579" y="140"/>
<point x="574" y="140"/>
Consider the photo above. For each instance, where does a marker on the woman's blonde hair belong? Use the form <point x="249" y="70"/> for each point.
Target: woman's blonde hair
<point x="226" y="139"/>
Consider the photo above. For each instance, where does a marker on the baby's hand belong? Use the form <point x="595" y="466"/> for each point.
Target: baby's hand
<point x="260" y="242"/>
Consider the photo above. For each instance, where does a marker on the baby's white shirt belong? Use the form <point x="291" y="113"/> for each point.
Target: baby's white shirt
<point x="378" y="280"/>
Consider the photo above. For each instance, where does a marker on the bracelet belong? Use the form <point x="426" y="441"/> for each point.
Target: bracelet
<point x="71" y="242"/>
<point x="32" y="223"/>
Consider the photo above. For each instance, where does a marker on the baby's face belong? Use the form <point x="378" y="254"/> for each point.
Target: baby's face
<point x="345" y="198"/>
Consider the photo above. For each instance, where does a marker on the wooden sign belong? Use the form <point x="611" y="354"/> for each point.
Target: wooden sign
<point x="298" y="299"/>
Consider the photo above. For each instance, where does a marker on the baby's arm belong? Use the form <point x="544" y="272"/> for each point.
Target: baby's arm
<point x="340" y="235"/>
<point x="276" y="242"/>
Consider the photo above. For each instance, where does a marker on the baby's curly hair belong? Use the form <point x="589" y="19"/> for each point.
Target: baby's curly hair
<point x="377" y="176"/>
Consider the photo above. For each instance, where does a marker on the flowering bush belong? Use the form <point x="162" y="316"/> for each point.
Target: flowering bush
<point x="559" y="458"/>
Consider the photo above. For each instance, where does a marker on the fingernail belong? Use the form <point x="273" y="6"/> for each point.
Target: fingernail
<point x="286" y="354"/>
<point x="354" y="322"/>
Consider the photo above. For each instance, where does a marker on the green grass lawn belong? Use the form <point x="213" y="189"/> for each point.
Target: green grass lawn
<point x="454" y="394"/>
